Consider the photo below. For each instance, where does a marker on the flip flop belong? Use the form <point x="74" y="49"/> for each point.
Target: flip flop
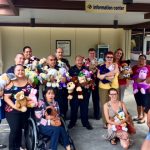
<point x="113" y="142"/>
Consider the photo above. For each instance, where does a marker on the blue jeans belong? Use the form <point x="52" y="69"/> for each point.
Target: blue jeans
<point x="54" y="134"/>
<point x="64" y="136"/>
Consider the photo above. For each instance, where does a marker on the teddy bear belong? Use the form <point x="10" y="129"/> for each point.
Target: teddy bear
<point x="62" y="72"/>
<point x="52" y="115"/>
<point x="21" y="101"/>
<point x="118" y="118"/>
<point x="70" y="88"/>
<point x="32" y="76"/>
<point x="62" y="65"/>
<point x="32" y="99"/>
<point x="72" y="85"/>
<point x="125" y="70"/>
<point x="53" y="80"/>
<point x="43" y="78"/>
<point x="140" y="82"/>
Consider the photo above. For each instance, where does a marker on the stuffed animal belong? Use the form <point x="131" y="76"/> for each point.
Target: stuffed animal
<point x="78" y="83"/>
<point x="5" y="80"/>
<point x="53" y="80"/>
<point x="72" y="85"/>
<point x="52" y="115"/>
<point x="62" y="65"/>
<point x="118" y="118"/>
<point x="32" y="99"/>
<point x="21" y="101"/>
<point x="125" y="70"/>
<point x="42" y="62"/>
<point x="82" y="79"/>
<point x="140" y="82"/>
<point x="70" y="88"/>
<point x="62" y="72"/>
<point x="32" y="76"/>
<point x="79" y="91"/>
<point x="43" y="78"/>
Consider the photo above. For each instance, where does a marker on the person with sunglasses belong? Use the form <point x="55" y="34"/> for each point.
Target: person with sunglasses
<point x="108" y="75"/>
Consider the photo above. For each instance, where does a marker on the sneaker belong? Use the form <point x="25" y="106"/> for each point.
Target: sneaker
<point x="89" y="127"/>
<point x="2" y="146"/>
<point x="70" y="126"/>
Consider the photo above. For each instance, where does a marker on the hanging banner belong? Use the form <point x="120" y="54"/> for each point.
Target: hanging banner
<point x="105" y="7"/>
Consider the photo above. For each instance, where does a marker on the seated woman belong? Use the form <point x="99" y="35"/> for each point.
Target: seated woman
<point x="116" y="116"/>
<point x="48" y="121"/>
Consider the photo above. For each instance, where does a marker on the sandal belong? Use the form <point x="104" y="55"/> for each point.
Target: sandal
<point x="105" y="126"/>
<point x="113" y="142"/>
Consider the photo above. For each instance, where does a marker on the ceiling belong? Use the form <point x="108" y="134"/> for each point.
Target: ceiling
<point x="71" y="13"/>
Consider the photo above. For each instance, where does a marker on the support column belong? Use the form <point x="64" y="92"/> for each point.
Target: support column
<point x="1" y="62"/>
<point x="127" y="44"/>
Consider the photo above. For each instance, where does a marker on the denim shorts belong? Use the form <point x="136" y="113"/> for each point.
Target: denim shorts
<point x="148" y="136"/>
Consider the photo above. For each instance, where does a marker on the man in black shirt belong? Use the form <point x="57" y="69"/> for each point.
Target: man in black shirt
<point x="59" y="56"/>
<point x="75" y="102"/>
<point x="19" y="59"/>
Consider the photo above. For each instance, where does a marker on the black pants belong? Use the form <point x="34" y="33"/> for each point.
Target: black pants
<point x="95" y="99"/>
<point x="61" y="98"/>
<point x="75" y="103"/>
<point x="16" y="122"/>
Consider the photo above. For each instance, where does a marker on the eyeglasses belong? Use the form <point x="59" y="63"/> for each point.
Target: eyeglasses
<point x="109" y="57"/>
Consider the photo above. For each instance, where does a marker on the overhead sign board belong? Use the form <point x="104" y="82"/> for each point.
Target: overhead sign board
<point x="105" y="7"/>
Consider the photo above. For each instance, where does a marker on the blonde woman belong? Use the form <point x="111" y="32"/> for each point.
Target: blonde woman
<point x="108" y="75"/>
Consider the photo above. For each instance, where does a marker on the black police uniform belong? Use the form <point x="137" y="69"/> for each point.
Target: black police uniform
<point x="75" y="103"/>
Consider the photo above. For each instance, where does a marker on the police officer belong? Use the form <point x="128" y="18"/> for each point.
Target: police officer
<point x="92" y="65"/>
<point x="63" y="91"/>
<point x="75" y="102"/>
<point x="52" y="63"/>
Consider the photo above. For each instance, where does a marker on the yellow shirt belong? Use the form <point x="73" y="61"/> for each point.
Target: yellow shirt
<point x="113" y="84"/>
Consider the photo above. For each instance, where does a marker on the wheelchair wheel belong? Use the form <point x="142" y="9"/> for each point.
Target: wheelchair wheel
<point x="31" y="135"/>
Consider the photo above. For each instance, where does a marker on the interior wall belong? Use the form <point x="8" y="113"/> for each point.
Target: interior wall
<point x="43" y="41"/>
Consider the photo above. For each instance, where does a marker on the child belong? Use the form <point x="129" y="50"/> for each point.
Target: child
<point x="46" y="122"/>
<point x="2" y="115"/>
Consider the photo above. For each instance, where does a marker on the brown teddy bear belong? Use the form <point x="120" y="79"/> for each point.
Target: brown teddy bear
<point x="78" y="88"/>
<point x="52" y="115"/>
<point x="125" y="70"/>
<point x="21" y="101"/>
<point x="70" y="88"/>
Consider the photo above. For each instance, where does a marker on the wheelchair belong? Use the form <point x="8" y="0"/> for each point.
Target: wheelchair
<point x="36" y="141"/>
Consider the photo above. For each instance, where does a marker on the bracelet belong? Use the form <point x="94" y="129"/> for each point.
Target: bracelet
<point x="49" y="122"/>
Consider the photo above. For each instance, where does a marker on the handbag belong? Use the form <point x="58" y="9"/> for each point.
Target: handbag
<point x="130" y="125"/>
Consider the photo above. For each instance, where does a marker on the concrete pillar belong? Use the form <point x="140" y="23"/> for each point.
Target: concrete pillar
<point x="1" y="62"/>
<point x="127" y="44"/>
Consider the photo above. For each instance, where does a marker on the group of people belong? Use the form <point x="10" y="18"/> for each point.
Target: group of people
<point x="107" y="97"/>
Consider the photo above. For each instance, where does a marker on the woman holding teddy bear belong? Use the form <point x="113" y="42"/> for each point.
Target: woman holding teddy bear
<point x="48" y="121"/>
<point x="116" y="129"/>
<point x="16" y="116"/>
